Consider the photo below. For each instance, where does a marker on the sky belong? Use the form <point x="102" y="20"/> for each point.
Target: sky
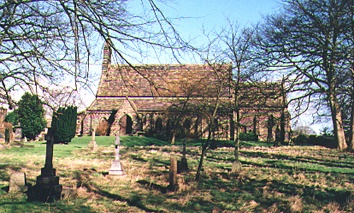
<point x="214" y="15"/>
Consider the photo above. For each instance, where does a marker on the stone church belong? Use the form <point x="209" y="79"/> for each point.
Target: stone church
<point x="177" y="100"/>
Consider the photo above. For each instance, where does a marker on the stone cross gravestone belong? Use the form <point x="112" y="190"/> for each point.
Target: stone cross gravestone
<point x="47" y="188"/>
<point x="93" y="145"/>
<point x="117" y="167"/>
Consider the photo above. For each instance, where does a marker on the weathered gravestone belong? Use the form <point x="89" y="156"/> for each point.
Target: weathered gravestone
<point x="182" y="165"/>
<point x="117" y="167"/>
<point x="17" y="182"/>
<point x="93" y="145"/>
<point x="47" y="188"/>
<point x="173" y="186"/>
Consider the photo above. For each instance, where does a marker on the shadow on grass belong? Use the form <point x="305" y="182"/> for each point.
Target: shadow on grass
<point x="136" y="201"/>
<point x="307" y="159"/>
<point x="267" y="193"/>
<point x="153" y="186"/>
<point x="282" y="161"/>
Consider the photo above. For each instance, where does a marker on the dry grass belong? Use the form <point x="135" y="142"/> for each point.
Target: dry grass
<point x="282" y="179"/>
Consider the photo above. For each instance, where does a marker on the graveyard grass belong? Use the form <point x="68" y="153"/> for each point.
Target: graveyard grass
<point x="273" y="179"/>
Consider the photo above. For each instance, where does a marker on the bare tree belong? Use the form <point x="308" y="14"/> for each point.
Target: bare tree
<point x="238" y="43"/>
<point x="214" y="107"/>
<point x="52" y="43"/>
<point x="307" y="43"/>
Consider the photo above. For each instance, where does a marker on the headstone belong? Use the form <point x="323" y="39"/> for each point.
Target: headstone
<point x="117" y="167"/>
<point x="173" y="175"/>
<point x="47" y="188"/>
<point x="92" y="144"/>
<point x="18" y="134"/>
<point x="17" y="182"/>
<point x="182" y="165"/>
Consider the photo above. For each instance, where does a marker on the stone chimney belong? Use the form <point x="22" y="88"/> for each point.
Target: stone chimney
<point x="107" y="54"/>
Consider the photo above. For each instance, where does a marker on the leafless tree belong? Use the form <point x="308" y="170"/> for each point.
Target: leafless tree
<point x="307" y="43"/>
<point x="238" y="45"/>
<point x="45" y="44"/>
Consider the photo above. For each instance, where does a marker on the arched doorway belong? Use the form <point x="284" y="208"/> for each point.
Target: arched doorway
<point x="158" y="125"/>
<point x="126" y="125"/>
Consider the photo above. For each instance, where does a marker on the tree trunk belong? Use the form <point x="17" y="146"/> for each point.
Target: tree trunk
<point x="236" y="165"/>
<point x="204" y="147"/>
<point x="337" y="122"/>
<point x="351" y="136"/>
<point x="173" y="175"/>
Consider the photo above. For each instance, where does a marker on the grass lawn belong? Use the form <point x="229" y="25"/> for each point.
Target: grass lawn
<point x="273" y="179"/>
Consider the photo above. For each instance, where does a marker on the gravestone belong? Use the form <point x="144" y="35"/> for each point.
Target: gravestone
<point x="173" y="186"/>
<point x="47" y="188"/>
<point x="117" y="167"/>
<point x="17" y="182"/>
<point x="93" y="145"/>
<point x="182" y="165"/>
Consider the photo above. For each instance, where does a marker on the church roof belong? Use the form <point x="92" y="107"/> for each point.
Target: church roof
<point x="152" y="87"/>
<point x="164" y="81"/>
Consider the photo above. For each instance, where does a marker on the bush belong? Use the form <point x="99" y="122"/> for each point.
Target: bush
<point x="300" y="139"/>
<point x="64" y="124"/>
<point x="102" y="128"/>
<point x="323" y="140"/>
<point x="249" y="136"/>
<point x="31" y="116"/>
<point x="12" y="117"/>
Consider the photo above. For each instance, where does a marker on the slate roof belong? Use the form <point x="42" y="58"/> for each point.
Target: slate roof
<point x="163" y="81"/>
<point x="155" y="87"/>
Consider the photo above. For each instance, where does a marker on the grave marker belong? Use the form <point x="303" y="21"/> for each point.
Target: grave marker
<point x="173" y="175"/>
<point x="117" y="167"/>
<point x="93" y="145"/>
<point x="17" y="182"/>
<point x="47" y="188"/>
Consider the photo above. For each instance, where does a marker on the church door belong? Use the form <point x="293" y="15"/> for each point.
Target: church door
<point x="126" y="125"/>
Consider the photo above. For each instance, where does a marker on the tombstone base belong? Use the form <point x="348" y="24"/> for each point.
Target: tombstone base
<point x="44" y="193"/>
<point x="47" y="188"/>
<point x="116" y="168"/>
<point x="92" y="145"/>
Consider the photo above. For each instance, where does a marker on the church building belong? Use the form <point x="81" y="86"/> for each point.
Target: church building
<point x="177" y="100"/>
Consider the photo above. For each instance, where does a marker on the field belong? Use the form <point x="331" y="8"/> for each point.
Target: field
<point x="273" y="179"/>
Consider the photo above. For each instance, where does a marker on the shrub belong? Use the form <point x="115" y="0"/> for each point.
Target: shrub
<point x="249" y="136"/>
<point x="12" y="117"/>
<point x="300" y="139"/>
<point x="31" y="116"/>
<point x="323" y="140"/>
<point x="102" y="128"/>
<point x="64" y="124"/>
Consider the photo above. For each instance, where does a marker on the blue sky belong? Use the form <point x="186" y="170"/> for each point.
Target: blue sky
<point x="214" y="14"/>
